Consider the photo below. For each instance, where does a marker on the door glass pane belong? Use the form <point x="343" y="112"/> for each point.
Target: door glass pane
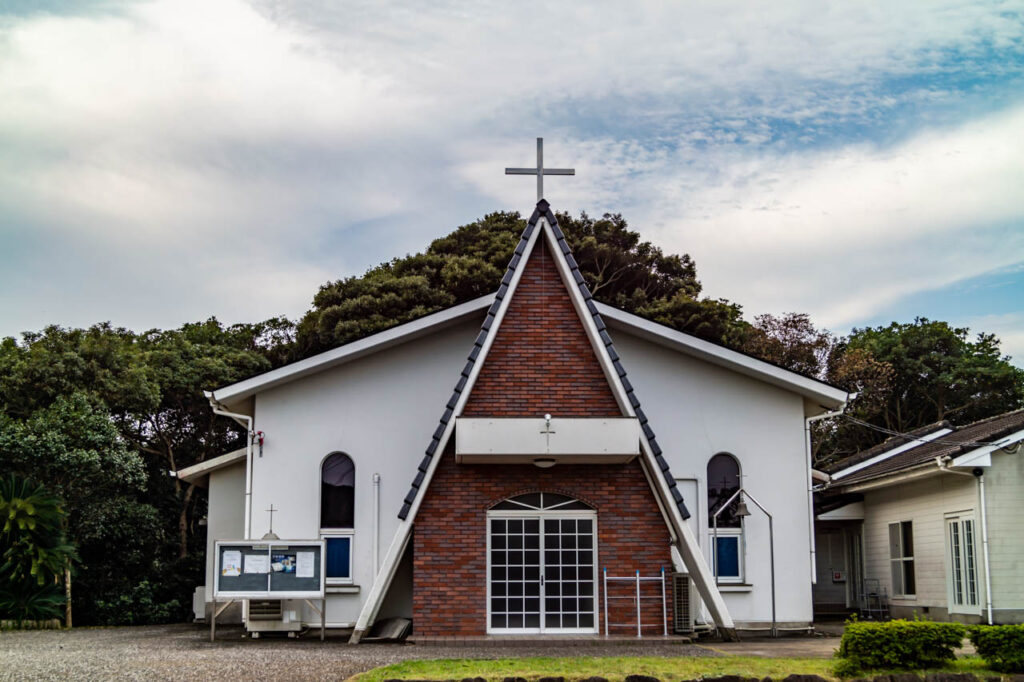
<point x="956" y="572"/>
<point x="568" y="573"/>
<point x="972" y="577"/>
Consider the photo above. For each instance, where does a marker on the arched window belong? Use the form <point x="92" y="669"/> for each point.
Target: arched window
<point x="723" y="481"/>
<point x="337" y="491"/>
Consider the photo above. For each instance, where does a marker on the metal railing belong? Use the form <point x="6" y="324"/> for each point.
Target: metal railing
<point x="638" y="599"/>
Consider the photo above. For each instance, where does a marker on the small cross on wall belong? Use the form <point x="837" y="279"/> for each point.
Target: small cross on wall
<point x="272" y="510"/>
<point x="540" y="171"/>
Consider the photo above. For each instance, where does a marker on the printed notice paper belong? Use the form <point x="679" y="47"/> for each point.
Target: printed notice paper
<point x="257" y="563"/>
<point x="304" y="564"/>
<point x="231" y="563"/>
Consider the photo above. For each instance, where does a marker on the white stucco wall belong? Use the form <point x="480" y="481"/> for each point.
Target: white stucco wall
<point x="698" y="410"/>
<point x="381" y="410"/>
<point x="225" y="519"/>
<point x="1004" y="482"/>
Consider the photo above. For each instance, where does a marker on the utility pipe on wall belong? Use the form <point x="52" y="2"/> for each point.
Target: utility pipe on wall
<point x="810" y="482"/>
<point x="376" y="523"/>
<point x="980" y="473"/>
<point x="219" y="409"/>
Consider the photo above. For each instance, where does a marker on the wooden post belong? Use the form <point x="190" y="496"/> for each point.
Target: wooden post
<point x="67" y="596"/>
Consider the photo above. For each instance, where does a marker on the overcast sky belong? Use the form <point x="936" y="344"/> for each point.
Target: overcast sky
<point x="162" y="162"/>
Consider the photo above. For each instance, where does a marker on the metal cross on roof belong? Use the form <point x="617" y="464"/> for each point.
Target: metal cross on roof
<point x="540" y="171"/>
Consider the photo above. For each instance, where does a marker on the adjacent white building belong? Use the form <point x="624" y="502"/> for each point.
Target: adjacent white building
<point x="928" y="525"/>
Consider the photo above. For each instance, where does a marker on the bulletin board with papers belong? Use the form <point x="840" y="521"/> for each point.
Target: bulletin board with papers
<point x="269" y="569"/>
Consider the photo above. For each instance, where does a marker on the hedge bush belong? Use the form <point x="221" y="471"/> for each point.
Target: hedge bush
<point x="1002" y="646"/>
<point x="910" y="644"/>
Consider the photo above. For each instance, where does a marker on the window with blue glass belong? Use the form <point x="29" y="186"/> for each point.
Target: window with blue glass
<point x="337" y="514"/>
<point x="339" y="557"/>
<point x="723" y="482"/>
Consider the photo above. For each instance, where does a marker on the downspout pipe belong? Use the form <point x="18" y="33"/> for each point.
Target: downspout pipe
<point x="376" y="523"/>
<point x="810" y="482"/>
<point x="246" y="421"/>
<point x="979" y="475"/>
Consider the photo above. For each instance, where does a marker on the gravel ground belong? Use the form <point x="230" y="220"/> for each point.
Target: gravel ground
<point x="184" y="652"/>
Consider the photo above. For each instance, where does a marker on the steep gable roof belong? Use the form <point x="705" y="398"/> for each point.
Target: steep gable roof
<point x="631" y="403"/>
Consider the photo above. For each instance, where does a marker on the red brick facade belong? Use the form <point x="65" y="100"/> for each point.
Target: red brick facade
<point x="541" y="360"/>
<point x="450" y="538"/>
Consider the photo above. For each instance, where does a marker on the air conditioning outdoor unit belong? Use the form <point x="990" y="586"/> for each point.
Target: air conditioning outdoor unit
<point x="269" y="615"/>
<point x="684" y="604"/>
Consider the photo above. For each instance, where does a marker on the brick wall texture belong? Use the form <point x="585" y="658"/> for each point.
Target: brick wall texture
<point x="450" y="538"/>
<point x="541" y="361"/>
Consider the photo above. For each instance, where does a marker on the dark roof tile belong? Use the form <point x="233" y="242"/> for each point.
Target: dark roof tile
<point x="963" y="439"/>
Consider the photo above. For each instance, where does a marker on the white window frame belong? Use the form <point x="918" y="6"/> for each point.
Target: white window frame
<point x="541" y="515"/>
<point x="967" y="559"/>
<point x="740" y="536"/>
<point x="901" y="560"/>
<point x="331" y="533"/>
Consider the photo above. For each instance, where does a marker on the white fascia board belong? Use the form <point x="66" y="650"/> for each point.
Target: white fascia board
<point x="821" y="393"/>
<point x="982" y="457"/>
<point x="195" y="472"/>
<point x="891" y="453"/>
<point x="350" y="351"/>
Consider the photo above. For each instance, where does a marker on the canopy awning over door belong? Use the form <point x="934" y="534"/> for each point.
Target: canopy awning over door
<point x="577" y="440"/>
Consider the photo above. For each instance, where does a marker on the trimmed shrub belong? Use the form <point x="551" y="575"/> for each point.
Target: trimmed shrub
<point x="905" y="644"/>
<point x="1002" y="646"/>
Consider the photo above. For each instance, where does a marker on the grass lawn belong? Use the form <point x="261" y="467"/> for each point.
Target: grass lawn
<point x="617" y="668"/>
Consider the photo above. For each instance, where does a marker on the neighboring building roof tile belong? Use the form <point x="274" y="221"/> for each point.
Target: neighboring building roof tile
<point x="962" y="439"/>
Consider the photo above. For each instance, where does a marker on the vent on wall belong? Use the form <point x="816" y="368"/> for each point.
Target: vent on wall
<point x="264" y="609"/>
<point x="683" y="603"/>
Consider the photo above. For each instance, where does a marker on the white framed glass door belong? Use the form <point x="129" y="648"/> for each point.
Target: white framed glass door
<point x="542" y="567"/>
<point x="962" y="570"/>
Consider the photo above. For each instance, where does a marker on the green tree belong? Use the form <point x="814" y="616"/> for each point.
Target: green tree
<point x="34" y="554"/>
<point x="913" y="374"/>
<point x="619" y="268"/>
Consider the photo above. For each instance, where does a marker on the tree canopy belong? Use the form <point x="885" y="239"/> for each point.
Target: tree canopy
<point x="619" y="267"/>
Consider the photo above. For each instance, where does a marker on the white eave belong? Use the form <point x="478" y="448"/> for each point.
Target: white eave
<point x="350" y="351"/>
<point x="197" y="473"/>
<point x="817" y="392"/>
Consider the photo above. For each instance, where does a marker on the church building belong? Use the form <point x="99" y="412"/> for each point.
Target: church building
<point x="530" y="462"/>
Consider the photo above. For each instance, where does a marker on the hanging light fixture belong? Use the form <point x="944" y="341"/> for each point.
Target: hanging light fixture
<point x="544" y="462"/>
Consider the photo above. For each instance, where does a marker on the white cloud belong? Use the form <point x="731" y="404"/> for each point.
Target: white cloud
<point x="176" y="159"/>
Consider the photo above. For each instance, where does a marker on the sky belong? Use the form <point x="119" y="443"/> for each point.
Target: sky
<point x="167" y="161"/>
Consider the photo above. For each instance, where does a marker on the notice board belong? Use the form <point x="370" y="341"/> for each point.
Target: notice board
<point x="269" y="569"/>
